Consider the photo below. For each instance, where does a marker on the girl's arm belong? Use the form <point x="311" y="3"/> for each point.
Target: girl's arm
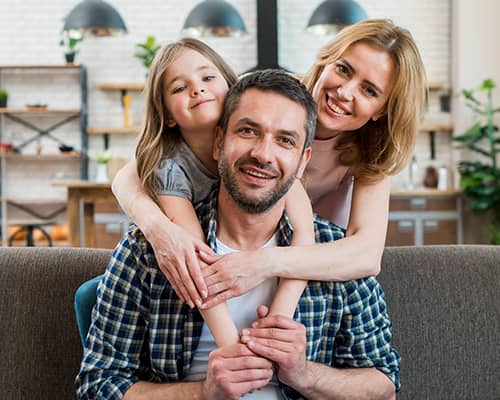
<point x="181" y="212"/>
<point x="356" y="256"/>
<point x="174" y="249"/>
<point x="299" y="211"/>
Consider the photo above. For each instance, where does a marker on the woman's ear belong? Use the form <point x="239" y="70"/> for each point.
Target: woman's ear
<point x="171" y="123"/>
<point x="378" y="114"/>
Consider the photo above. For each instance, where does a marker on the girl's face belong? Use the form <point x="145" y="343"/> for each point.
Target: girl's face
<point x="353" y="90"/>
<point x="194" y="92"/>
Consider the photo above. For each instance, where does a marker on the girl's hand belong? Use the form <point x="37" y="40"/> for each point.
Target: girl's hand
<point x="233" y="274"/>
<point x="176" y="252"/>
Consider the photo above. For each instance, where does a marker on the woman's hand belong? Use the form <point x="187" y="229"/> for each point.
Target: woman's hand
<point x="176" y="252"/>
<point x="234" y="274"/>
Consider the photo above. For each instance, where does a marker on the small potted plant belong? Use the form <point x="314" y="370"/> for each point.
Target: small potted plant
<point x="147" y="51"/>
<point x="70" y="46"/>
<point x="102" y="159"/>
<point x="3" y="98"/>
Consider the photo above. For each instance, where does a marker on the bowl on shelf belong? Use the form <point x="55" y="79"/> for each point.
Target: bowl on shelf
<point x="36" y="106"/>
<point x="65" y="149"/>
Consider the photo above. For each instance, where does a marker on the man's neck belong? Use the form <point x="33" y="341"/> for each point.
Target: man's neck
<point x="241" y="230"/>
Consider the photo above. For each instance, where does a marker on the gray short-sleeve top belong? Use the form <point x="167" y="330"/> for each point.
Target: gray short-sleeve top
<point x="184" y="175"/>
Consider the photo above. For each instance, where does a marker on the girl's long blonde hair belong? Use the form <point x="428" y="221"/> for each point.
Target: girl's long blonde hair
<point x="382" y="147"/>
<point x="157" y="139"/>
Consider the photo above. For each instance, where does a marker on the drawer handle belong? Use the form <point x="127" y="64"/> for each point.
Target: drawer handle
<point x="418" y="202"/>
<point x="405" y="225"/>
<point x="431" y="225"/>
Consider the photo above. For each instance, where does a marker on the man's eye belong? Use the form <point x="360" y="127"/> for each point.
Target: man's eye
<point x="179" y="89"/>
<point x="246" y="131"/>
<point x="287" y="141"/>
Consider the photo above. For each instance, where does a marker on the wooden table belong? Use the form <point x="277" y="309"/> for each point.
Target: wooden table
<point x="86" y="193"/>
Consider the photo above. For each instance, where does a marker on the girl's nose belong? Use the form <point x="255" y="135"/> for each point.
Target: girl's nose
<point x="198" y="91"/>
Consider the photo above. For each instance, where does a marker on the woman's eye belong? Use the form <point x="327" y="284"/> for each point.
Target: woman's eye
<point x="179" y="89"/>
<point x="209" y="78"/>
<point x="370" y="92"/>
<point x="342" y="69"/>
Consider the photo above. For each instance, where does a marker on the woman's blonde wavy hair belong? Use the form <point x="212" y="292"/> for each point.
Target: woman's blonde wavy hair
<point x="385" y="146"/>
<point x="157" y="139"/>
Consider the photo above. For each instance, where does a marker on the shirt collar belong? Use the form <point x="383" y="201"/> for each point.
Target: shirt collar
<point x="207" y="213"/>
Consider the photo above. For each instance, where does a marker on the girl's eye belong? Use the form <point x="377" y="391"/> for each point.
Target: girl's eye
<point x="179" y="89"/>
<point x="208" y="78"/>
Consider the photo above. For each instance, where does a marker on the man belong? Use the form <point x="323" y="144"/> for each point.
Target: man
<point x="145" y="343"/>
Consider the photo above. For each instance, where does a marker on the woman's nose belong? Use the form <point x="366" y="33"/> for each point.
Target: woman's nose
<point x="346" y="91"/>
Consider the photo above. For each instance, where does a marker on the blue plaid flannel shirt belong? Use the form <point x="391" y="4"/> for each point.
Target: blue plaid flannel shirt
<point x="141" y="330"/>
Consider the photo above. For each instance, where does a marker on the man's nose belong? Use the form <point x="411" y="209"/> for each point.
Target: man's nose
<point x="263" y="149"/>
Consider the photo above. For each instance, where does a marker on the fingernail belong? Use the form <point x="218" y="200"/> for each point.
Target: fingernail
<point x="250" y="343"/>
<point x="198" y="302"/>
<point x="204" y="293"/>
<point x="245" y="332"/>
<point x="245" y="338"/>
<point x="254" y="325"/>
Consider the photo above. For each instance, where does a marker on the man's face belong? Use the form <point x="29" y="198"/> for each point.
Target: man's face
<point x="260" y="155"/>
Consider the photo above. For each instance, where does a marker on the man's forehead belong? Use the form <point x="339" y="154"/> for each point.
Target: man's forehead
<point x="269" y="107"/>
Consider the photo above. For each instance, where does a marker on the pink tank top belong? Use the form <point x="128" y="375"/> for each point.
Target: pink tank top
<point x="328" y="183"/>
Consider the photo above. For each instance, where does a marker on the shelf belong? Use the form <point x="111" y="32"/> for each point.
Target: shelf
<point x="39" y="110"/>
<point x="44" y="157"/>
<point x="432" y="127"/>
<point x="120" y="86"/>
<point x="60" y="66"/>
<point x="34" y="201"/>
<point x="38" y="243"/>
<point x="433" y="86"/>
<point x="120" y="130"/>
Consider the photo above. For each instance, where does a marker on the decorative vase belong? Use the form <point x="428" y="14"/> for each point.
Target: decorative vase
<point x="102" y="173"/>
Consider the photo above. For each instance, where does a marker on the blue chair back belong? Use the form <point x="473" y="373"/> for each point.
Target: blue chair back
<point x="85" y="298"/>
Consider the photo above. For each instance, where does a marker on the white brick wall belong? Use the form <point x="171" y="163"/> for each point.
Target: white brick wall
<point x="30" y="29"/>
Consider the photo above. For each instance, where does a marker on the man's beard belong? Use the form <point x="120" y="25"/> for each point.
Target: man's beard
<point x="258" y="205"/>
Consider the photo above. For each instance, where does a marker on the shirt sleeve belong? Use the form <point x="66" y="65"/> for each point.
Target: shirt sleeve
<point x="364" y="339"/>
<point x="173" y="180"/>
<point x="112" y="350"/>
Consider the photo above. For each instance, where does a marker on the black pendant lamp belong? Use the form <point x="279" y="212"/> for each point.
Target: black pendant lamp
<point x="333" y="15"/>
<point x="96" y="17"/>
<point x="214" y="18"/>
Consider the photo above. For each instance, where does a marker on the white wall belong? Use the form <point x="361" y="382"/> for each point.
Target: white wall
<point x="29" y="34"/>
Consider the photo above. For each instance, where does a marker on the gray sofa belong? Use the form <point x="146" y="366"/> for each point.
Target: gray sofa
<point x="444" y="303"/>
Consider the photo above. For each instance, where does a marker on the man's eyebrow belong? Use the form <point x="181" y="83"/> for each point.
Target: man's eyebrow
<point x="200" y="68"/>
<point x="254" y="124"/>
<point x="348" y="64"/>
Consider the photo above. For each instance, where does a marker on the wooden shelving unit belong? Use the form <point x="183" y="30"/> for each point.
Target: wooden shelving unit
<point x="119" y="130"/>
<point x="45" y="210"/>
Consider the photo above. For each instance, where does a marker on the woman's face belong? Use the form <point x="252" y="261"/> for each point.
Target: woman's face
<point x="353" y="90"/>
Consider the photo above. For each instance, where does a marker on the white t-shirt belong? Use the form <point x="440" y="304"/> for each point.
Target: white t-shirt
<point x="243" y="310"/>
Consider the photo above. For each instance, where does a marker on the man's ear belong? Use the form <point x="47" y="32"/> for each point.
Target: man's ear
<point x="217" y="142"/>
<point x="303" y="163"/>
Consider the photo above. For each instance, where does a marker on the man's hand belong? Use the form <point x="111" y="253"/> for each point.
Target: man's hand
<point x="281" y="340"/>
<point x="233" y="371"/>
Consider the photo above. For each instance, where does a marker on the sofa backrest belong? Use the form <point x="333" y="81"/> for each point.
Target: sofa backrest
<point x="444" y="303"/>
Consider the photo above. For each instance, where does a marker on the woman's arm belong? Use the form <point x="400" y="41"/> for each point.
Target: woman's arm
<point x="299" y="210"/>
<point x="174" y="250"/>
<point x="357" y="255"/>
<point x="181" y="212"/>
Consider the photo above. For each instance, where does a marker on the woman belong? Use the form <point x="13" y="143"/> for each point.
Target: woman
<point x="369" y="84"/>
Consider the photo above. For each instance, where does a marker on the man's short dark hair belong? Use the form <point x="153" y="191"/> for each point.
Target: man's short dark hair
<point x="275" y="81"/>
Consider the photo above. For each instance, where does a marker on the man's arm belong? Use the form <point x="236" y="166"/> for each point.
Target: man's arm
<point x="232" y="371"/>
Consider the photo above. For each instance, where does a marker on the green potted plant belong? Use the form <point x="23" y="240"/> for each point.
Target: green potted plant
<point x="147" y="51"/>
<point x="3" y="98"/>
<point x="70" y="46"/>
<point x="480" y="178"/>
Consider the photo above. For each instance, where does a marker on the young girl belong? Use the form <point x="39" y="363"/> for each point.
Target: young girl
<point x="369" y="83"/>
<point x="185" y="93"/>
